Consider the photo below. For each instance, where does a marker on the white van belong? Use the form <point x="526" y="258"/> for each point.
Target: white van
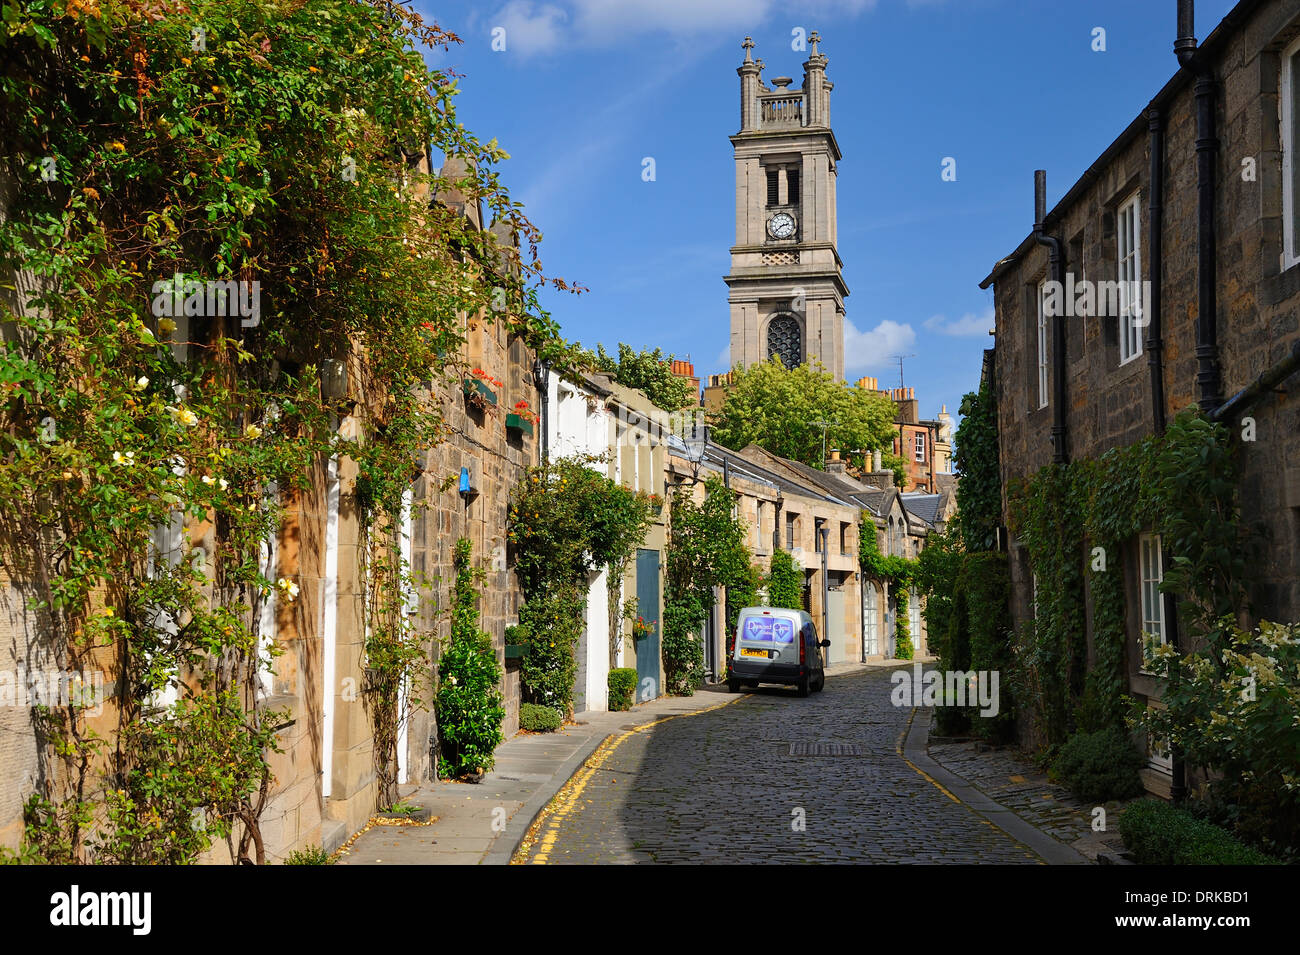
<point x="776" y="645"/>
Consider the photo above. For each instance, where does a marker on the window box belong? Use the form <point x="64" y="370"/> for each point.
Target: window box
<point x="517" y="422"/>
<point x="478" y="390"/>
<point x="515" y="651"/>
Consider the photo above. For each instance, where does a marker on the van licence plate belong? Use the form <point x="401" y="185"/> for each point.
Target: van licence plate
<point x="746" y="652"/>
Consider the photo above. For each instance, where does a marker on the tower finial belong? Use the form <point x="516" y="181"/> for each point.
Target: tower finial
<point x="814" y="38"/>
<point x="748" y="46"/>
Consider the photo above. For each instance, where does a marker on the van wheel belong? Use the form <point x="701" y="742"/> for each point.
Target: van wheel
<point x="821" y="684"/>
<point x="803" y="686"/>
<point x="733" y="686"/>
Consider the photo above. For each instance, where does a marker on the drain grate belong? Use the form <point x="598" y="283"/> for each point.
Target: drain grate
<point x="825" y="749"/>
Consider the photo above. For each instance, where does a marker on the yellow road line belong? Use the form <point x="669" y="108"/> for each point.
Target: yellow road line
<point x="898" y="748"/>
<point x="566" y="799"/>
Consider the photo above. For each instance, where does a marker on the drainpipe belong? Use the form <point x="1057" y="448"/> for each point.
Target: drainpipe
<point x="1208" y="383"/>
<point x="1155" y="258"/>
<point x="1207" y="378"/>
<point x="542" y="379"/>
<point x="1058" y="321"/>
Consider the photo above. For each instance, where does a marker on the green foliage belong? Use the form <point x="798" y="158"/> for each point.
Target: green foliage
<point x="622" y="688"/>
<point x="1101" y="766"/>
<point x="903" y="649"/>
<point x="566" y="519"/>
<point x="935" y="578"/>
<point x="706" y="549"/>
<point x="1196" y="472"/>
<point x="221" y="164"/>
<point x="1237" y="714"/>
<point x="551" y="623"/>
<point x="1158" y="833"/>
<point x="975" y="454"/>
<point x="1051" y="662"/>
<point x="468" y="702"/>
<point x="649" y="372"/>
<point x="773" y="407"/>
<point x="1078" y="518"/>
<point x="312" y="855"/>
<point x="895" y="569"/>
<point x="785" y="582"/>
<point x="539" y="719"/>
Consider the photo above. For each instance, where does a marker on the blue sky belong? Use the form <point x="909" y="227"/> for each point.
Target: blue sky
<point x="586" y="89"/>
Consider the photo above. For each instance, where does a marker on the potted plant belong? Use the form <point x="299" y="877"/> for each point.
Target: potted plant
<point x="522" y="419"/>
<point x="479" y="389"/>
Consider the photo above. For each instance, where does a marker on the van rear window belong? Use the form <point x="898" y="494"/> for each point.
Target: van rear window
<point x="767" y="630"/>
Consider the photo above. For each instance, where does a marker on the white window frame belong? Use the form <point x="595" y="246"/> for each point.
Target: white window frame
<point x="870" y="618"/>
<point x="920" y="447"/>
<point x="1151" y="601"/>
<point x="1042" y="346"/>
<point x="1128" y="265"/>
<point x="1289" y="89"/>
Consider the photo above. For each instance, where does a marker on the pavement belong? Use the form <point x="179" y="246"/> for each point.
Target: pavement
<point x="715" y="778"/>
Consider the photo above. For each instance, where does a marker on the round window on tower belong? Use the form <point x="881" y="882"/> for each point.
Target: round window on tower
<point x="784" y="341"/>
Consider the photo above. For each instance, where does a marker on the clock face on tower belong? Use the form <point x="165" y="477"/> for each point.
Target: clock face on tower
<point x="781" y="226"/>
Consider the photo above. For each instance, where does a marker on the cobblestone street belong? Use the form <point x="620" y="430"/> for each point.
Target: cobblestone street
<point x="731" y="784"/>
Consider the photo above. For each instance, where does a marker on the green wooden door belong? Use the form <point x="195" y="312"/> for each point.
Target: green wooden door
<point x="647" y="607"/>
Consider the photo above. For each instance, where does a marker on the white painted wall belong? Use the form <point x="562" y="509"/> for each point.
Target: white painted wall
<point x="578" y="423"/>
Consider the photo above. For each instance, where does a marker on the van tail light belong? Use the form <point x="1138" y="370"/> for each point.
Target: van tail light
<point x="803" y="648"/>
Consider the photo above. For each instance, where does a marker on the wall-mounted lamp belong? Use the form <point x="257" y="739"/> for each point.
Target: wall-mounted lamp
<point x="334" y="382"/>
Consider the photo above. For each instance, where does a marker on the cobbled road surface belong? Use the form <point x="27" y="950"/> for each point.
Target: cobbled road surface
<point x="722" y="787"/>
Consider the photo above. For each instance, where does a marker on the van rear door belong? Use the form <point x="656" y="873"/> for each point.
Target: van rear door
<point x="766" y="638"/>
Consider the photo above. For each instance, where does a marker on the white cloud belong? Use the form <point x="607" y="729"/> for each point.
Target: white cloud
<point x="724" y="359"/>
<point x="970" y="324"/>
<point x="540" y="28"/>
<point x="531" y="27"/>
<point x="872" y="348"/>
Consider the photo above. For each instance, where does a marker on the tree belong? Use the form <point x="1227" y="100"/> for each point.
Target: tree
<point x="979" y="492"/>
<point x="647" y="371"/>
<point x="706" y="549"/>
<point x="775" y="408"/>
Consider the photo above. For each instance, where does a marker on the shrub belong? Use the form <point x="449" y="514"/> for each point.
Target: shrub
<point x="785" y="582"/>
<point x="312" y="855"/>
<point x="1235" y="712"/>
<point x="1100" y="766"/>
<point x="1158" y="833"/>
<point x="468" y="703"/>
<point x="622" y="685"/>
<point x="539" y="719"/>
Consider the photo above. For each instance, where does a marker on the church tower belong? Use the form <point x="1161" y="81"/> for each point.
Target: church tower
<point x="785" y="288"/>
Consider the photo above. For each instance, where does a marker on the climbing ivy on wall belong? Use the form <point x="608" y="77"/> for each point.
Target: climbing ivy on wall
<point x="1075" y="520"/>
<point x="979" y="492"/>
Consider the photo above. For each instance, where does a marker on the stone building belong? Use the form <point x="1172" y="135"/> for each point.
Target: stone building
<point x="785" y="287"/>
<point x="1198" y="196"/>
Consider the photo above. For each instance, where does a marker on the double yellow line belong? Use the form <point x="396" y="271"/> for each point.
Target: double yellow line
<point x="548" y="821"/>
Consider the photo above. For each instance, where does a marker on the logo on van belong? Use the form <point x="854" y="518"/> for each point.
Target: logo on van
<point x="768" y="630"/>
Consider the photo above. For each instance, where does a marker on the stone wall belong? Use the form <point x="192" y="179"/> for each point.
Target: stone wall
<point x="1108" y="404"/>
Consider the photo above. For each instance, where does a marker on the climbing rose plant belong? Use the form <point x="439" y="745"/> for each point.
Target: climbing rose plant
<point x="147" y="453"/>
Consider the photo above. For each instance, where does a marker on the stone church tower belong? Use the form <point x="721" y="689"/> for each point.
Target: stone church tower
<point x="785" y="288"/>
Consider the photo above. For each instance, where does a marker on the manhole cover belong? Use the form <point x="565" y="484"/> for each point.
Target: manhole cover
<point x="825" y="749"/>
